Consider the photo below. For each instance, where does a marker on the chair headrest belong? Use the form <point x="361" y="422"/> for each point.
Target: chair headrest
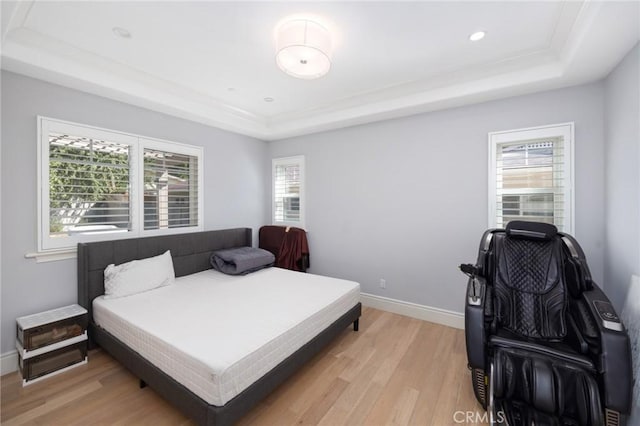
<point x="531" y="230"/>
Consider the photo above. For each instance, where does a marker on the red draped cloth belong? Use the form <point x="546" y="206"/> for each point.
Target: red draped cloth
<point x="288" y="244"/>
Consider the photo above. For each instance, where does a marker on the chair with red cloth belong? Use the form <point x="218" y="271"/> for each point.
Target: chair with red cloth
<point x="288" y="244"/>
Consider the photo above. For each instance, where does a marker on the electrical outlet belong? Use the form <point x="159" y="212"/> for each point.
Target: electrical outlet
<point x="383" y="283"/>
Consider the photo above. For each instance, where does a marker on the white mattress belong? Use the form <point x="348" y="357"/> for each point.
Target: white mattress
<point x="217" y="334"/>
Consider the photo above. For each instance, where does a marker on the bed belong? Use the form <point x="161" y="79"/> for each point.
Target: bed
<point x="210" y="386"/>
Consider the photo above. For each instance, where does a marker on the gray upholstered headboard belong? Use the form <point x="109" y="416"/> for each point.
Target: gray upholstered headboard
<point x="190" y="253"/>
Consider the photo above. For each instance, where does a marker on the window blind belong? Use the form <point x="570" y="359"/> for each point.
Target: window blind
<point x="287" y="183"/>
<point x="88" y="185"/>
<point x="170" y="190"/>
<point x="530" y="182"/>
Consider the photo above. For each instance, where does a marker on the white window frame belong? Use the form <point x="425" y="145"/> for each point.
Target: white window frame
<point x="564" y="130"/>
<point x="299" y="160"/>
<point x="51" y="246"/>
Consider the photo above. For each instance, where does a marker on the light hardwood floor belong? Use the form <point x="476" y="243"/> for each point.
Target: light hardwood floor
<point x="395" y="371"/>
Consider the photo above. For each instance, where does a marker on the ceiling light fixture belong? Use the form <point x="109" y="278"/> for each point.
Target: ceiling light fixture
<point x="303" y="48"/>
<point x="269" y="99"/>
<point x="121" y="32"/>
<point x="478" y="35"/>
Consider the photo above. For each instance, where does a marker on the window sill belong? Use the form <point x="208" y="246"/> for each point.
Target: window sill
<point x="52" y="255"/>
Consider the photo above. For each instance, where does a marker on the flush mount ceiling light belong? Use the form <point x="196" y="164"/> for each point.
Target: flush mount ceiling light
<point x="303" y="48"/>
<point x="477" y="36"/>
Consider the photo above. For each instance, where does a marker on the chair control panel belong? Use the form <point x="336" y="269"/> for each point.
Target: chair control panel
<point x="610" y="319"/>
<point x="475" y="292"/>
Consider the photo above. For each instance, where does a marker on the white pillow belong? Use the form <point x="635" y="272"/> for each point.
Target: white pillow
<point x="138" y="276"/>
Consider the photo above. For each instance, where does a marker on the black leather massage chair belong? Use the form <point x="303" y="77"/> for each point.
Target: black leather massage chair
<point x="544" y="344"/>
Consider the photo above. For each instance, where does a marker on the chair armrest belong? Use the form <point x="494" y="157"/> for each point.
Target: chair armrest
<point x="474" y="321"/>
<point x="614" y="356"/>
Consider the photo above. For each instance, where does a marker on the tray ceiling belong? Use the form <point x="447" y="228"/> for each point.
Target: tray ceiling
<point x="214" y="62"/>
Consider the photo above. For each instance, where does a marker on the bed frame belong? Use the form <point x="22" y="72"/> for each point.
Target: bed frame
<point x="191" y="253"/>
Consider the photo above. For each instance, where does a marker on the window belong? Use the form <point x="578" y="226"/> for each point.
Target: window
<point x="98" y="184"/>
<point x="531" y="176"/>
<point x="88" y="185"/>
<point x="170" y="189"/>
<point x="288" y="191"/>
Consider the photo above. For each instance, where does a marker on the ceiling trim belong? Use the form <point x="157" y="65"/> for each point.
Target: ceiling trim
<point x="14" y="15"/>
<point x="26" y="52"/>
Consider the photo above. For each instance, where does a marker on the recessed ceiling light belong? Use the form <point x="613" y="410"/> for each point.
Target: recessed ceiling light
<point x="121" y="32"/>
<point x="231" y="89"/>
<point x="478" y="35"/>
<point x="269" y="99"/>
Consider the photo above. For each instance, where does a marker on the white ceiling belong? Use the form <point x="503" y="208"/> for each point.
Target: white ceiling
<point x="214" y="62"/>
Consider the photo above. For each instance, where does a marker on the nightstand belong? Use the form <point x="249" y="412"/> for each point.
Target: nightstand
<point x="51" y="342"/>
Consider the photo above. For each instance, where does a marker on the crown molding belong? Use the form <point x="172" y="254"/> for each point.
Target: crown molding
<point x="27" y="52"/>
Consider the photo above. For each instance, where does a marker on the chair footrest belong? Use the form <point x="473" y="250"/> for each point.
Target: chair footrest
<point x="547" y="386"/>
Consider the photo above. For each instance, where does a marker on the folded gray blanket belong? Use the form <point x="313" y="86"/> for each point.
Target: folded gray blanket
<point x="241" y="260"/>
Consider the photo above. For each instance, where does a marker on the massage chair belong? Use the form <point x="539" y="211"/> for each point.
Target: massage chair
<point x="544" y="344"/>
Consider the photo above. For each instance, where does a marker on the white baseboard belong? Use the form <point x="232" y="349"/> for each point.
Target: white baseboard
<point x="8" y="362"/>
<point x="414" y="310"/>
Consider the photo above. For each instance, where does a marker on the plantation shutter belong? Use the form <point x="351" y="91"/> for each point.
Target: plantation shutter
<point x="170" y="190"/>
<point x="89" y="185"/>
<point x="530" y="181"/>
<point x="287" y="184"/>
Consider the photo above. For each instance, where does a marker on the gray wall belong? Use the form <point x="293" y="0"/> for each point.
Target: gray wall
<point x="622" y="143"/>
<point x="406" y="199"/>
<point x="235" y="193"/>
